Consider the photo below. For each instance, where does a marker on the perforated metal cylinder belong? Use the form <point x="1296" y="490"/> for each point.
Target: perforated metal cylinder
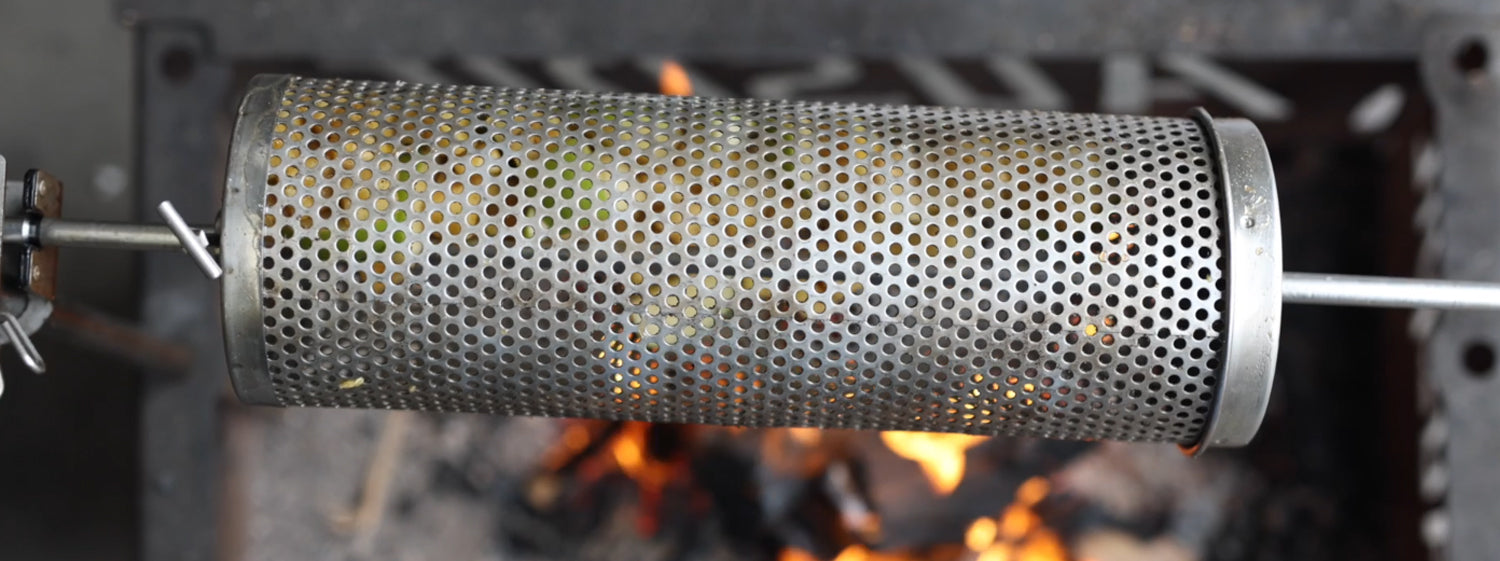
<point x="753" y="263"/>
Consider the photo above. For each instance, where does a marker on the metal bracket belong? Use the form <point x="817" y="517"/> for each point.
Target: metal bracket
<point x="1461" y="68"/>
<point x="29" y="273"/>
<point x="32" y="269"/>
<point x="16" y="300"/>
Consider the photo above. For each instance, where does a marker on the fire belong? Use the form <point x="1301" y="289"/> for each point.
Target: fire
<point x="1033" y="491"/>
<point x="859" y="552"/>
<point x="981" y="534"/>
<point x="629" y="451"/>
<point x="805" y="436"/>
<point x="652" y="475"/>
<point x="573" y="445"/>
<point x="576" y="437"/>
<point x="941" y="455"/>
<point x="673" y="79"/>
<point x="854" y="553"/>
<point x="1018" y="534"/>
<point x="794" y="554"/>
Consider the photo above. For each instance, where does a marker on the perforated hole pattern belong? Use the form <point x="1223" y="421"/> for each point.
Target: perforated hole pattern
<point x="741" y="262"/>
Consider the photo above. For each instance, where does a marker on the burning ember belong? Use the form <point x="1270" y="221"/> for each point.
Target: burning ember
<point x="862" y="553"/>
<point x="629" y="451"/>
<point x="851" y="553"/>
<point x="941" y="455"/>
<point x="811" y="472"/>
<point x="1018" y="533"/>
<point x="673" y="79"/>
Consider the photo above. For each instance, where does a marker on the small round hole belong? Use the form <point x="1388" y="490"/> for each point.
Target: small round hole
<point x="1472" y="58"/>
<point x="178" y="64"/>
<point x="1479" y="358"/>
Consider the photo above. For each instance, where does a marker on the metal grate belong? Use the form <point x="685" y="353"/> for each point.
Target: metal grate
<point x="533" y="252"/>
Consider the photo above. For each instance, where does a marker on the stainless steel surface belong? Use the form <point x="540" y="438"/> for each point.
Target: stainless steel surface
<point x="104" y="235"/>
<point x="194" y="242"/>
<point x="736" y="262"/>
<point x="1386" y="292"/>
<point x="1252" y="310"/>
<point x="240" y="241"/>
<point x="20" y="231"/>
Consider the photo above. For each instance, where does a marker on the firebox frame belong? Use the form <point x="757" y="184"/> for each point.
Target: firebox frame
<point x="186" y="52"/>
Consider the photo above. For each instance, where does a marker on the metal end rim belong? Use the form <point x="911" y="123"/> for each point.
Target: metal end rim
<point x="239" y="229"/>
<point x="1252" y="291"/>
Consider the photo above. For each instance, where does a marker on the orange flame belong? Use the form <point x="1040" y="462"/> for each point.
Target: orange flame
<point x="859" y="552"/>
<point x="854" y="553"/>
<point x="651" y="475"/>
<point x="794" y="554"/>
<point x="805" y="436"/>
<point x="1033" y="491"/>
<point x="1018" y="534"/>
<point x="629" y="451"/>
<point x="577" y="435"/>
<point x="981" y="534"/>
<point x="941" y="455"/>
<point x="998" y="552"/>
<point x="673" y="79"/>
